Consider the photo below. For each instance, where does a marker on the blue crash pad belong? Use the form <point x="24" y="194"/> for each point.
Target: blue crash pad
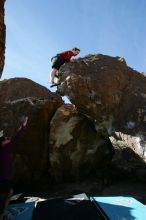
<point x="120" y="208"/>
<point x="20" y="211"/>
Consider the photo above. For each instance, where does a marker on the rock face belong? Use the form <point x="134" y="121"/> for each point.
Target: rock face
<point x="2" y="36"/>
<point x="59" y="141"/>
<point x="102" y="133"/>
<point x="30" y="155"/>
<point x="95" y="85"/>
<point x="112" y="95"/>
<point x="76" y="150"/>
<point x="18" y="88"/>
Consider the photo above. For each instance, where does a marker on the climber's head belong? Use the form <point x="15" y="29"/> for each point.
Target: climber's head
<point x="75" y="51"/>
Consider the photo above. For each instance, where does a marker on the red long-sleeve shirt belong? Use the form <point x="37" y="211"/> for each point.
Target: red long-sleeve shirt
<point x="66" y="55"/>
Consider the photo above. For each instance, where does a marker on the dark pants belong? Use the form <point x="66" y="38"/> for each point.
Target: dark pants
<point x="57" y="62"/>
<point x="5" y="189"/>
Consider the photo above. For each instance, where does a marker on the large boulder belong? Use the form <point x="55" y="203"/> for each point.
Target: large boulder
<point x="2" y="36"/>
<point x="76" y="150"/>
<point x="111" y="94"/>
<point x="24" y="97"/>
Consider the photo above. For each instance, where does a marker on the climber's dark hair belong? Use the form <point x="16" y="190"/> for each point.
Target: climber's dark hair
<point x="76" y="49"/>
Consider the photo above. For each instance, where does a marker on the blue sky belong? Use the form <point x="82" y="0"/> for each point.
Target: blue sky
<point x="37" y="30"/>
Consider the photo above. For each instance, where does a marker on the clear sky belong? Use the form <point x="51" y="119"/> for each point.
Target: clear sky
<point x="38" y="29"/>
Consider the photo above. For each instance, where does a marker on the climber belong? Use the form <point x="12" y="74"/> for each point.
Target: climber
<point x="6" y="146"/>
<point x="59" y="60"/>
